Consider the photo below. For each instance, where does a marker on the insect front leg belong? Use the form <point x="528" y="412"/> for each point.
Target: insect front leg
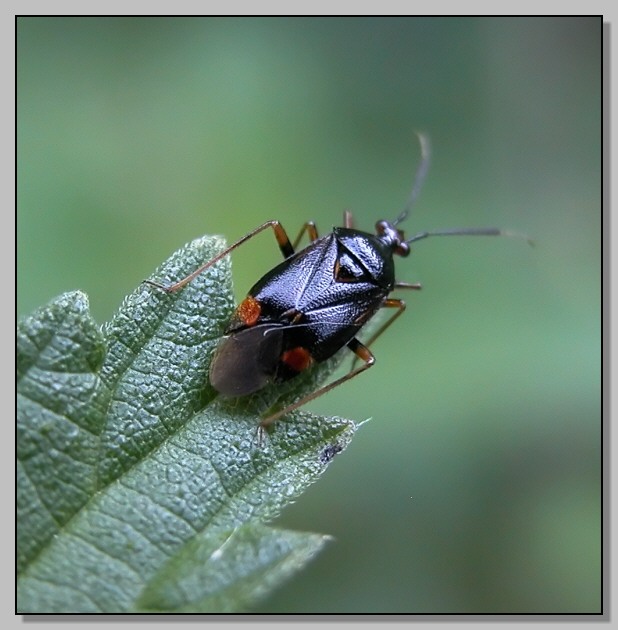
<point x="285" y="245"/>
<point x="312" y="232"/>
<point x="400" y="305"/>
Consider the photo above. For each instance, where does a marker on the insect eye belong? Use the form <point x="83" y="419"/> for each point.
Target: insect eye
<point x="347" y="269"/>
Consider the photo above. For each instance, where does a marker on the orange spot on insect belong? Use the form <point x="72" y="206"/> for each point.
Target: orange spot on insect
<point x="249" y="310"/>
<point x="298" y="359"/>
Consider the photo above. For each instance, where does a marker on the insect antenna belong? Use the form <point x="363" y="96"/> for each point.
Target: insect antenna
<point x="419" y="178"/>
<point x="470" y="232"/>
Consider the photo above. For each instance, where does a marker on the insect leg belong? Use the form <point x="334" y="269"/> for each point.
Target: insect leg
<point x="400" y="305"/>
<point x="286" y="247"/>
<point x="361" y="352"/>
<point x="348" y="219"/>
<point x="311" y="230"/>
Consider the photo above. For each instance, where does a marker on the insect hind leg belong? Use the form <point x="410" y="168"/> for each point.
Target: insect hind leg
<point x="361" y="351"/>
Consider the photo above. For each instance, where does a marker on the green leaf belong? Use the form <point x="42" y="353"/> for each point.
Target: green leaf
<point x="61" y="402"/>
<point x="139" y="489"/>
<point x="236" y="566"/>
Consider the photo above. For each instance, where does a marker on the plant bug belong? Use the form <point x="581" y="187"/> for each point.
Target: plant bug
<point x="315" y="302"/>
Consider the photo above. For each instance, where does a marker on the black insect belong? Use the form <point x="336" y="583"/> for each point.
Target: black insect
<point x="315" y="302"/>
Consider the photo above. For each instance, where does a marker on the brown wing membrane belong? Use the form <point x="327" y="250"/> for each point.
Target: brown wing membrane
<point x="246" y="361"/>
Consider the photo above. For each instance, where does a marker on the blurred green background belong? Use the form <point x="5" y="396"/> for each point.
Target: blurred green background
<point x="476" y="486"/>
